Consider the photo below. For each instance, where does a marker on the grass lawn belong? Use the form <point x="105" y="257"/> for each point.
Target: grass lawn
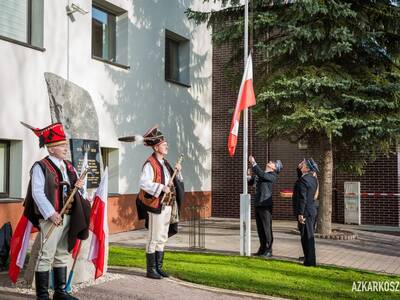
<point x="269" y="277"/>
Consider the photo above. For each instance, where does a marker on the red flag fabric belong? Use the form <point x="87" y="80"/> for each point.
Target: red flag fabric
<point x="99" y="227"/>
<point x="75" y="250"/>
<point x="19" y="246"/>
<point x="246" y="98"/>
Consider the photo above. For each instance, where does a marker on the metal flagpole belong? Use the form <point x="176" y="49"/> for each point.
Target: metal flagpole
<point x="245" y="218"/>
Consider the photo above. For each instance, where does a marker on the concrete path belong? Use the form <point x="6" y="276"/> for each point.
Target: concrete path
<point x="136" y="286"/>
<point x="376" y="249"/>
<point x="372" y="250"/>
<point x="133" y="284"/>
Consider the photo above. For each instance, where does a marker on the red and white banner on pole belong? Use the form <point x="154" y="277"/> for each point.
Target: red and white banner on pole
<point x="19" y="246"/>
<point x="85" y="164"/>
<point x="287" y="193"/>
<point x="99" y="227"/>
<point x="246" y="98"/>
<point x="374" y="194"/>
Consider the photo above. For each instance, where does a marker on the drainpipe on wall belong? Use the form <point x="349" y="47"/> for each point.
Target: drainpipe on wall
<point x="68" y="18"/>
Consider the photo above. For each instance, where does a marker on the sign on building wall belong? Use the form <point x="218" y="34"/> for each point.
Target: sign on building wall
<point x="78" y="149"/>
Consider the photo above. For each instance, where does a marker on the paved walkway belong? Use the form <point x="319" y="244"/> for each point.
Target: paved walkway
<point x="136" y="286"/>
<point x="133" y="284"/>
<point x="376" y="248"/>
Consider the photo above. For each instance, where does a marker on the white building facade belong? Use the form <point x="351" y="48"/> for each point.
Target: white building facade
<point x="142" y="62"/>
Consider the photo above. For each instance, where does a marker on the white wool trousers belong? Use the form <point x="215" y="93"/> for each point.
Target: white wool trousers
<point x="55" y="251"/>
<point x="158" y="230"/>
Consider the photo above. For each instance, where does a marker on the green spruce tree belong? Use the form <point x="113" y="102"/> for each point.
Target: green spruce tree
<point x="329" y="73"/>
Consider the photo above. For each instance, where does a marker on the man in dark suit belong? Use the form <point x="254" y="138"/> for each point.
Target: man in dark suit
<point x="263" y="179"/>
<point x="304" y="194"/>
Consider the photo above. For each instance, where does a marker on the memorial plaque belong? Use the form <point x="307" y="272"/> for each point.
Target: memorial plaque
<point x="78" y="149"/>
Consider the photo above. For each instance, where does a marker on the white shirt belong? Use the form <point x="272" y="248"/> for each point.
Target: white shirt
<point x="38" y="181"/>
<point x="146" y="182"/>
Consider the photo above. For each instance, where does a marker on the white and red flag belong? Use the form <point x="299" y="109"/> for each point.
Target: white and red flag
<point x="99" y="227"/>
<point x="19" y="246"/>
<point x="246" y="98"/>
<point x="85" y="164"/>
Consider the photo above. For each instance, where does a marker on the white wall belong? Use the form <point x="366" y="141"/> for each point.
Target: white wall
<point x="126" y="101"/>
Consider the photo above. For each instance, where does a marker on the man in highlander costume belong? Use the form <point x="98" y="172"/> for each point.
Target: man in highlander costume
<point x="51" y="179"/>
<point x="159" y="199"/>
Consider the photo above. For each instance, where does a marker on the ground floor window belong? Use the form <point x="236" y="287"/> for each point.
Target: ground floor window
<point x="4" y="168"/>
<point x="110" y="158"/>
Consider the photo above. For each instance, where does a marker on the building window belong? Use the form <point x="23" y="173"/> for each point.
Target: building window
<point x="21" y="21"/>
<point x="177" y="58"/>
<point x="110" y="157"/>
<point x="109" y="33"/>
<point x="4" y="168"/>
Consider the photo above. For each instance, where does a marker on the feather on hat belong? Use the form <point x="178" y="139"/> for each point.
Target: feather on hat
<point x="151" y="138"/>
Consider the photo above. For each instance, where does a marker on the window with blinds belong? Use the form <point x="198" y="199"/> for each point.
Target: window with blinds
<point x="14" y="19"/>
<point x="22" y="21"/>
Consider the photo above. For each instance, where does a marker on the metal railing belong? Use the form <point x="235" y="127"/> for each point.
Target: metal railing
<point x="197" y="226"/>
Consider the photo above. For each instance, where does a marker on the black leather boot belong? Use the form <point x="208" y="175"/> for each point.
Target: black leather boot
<point x="159" y="263"/>
<point x="42" y="285"/>
<point x="260" y="252"/>
<point x="60" y="279"/>
<point x="151" y="266"/>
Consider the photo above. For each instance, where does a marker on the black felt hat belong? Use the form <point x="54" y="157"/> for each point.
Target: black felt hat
<point x="312" y="165"/>
<point x="153" y="137"/>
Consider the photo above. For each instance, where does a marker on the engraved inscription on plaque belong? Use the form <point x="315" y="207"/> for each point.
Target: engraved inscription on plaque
<point x="78" y="149"/>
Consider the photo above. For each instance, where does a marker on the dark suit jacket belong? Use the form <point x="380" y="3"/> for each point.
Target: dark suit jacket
<point x="263" y="181"/>
<point x="303" y="195"/>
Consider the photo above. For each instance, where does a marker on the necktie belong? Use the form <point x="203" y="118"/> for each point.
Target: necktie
<point x="62" y="168"/>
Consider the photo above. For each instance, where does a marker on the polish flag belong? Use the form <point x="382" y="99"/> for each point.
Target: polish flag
<point x="19" y="246"/>
<point x="99" y="227"/>
<point x="246" y="98"/>
<point x="85" y="164"/>
<point x="76" y="249"/>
